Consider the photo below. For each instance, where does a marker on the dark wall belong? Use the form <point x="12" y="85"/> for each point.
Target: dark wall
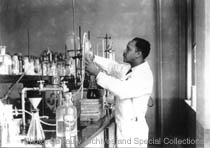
<point x="50" y="22"/>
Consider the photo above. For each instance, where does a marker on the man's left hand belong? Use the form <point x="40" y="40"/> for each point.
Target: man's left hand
<point x="91" y="67"/>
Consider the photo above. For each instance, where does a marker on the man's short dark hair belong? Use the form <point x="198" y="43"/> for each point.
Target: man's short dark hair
<point x="143" y="46"/>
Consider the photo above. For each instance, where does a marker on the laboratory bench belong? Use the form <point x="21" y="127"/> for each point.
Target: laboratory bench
<point x="99" y="133"/>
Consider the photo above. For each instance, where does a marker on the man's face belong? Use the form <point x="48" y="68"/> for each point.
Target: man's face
<point x="130" y="53"/>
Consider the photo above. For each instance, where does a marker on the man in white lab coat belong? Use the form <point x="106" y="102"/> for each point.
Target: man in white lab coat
<point x="132" y="83"/>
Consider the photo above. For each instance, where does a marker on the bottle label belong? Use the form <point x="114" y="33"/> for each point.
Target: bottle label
<point x="70" y="125"/>
<point x="60" y="129"/>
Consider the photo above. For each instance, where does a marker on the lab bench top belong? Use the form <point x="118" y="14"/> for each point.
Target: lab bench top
<point x="86" y="132"/>
<point x="93" y="129"/>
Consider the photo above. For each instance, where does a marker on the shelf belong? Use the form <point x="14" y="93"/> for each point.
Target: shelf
<point x="26" y="78"/>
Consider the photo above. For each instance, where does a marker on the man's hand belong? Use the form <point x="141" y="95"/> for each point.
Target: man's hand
<point x="91" y="67"/>
<point x="89" y="57"/>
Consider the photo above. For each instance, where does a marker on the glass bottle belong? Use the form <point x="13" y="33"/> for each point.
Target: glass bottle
<point x="53" y="69"/>
<point x="66" y="121"/>
<point x="31" y="66"/>
<point x="93" y="92"/>
<point x="44" y="68"/>
<point x="8" y="128"/>
<point x="20" y="59"/>
<point x="37" y="67"/>
<point x="8" y="64"/>
<point x="26" y="65"/>
<point x="60" y="111"/>
<point x="70" y="122"/>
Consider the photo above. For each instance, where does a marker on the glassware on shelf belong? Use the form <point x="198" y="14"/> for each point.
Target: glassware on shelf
<point x="20" y="59"/>
<point x="15" y="65"/>
<point x="53" y="69"/>
<point x="37" y="67"/>
<point x="26" y="65"/>
<point x="44" y="68"/>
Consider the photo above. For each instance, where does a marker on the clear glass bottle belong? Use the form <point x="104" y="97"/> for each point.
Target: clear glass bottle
<point x="66" y="122"/>
<point x="70" y="122"/>
<point x="31" y="65"/>
<point x="8" y="128"/>
<point x="44" y="68"/>
<point x="26" y="65"/>
<point x="15" y="65"/>
<point x="20" y="59"/>
<point x="8" y="64"/>
<point x="54" y="69"/>
<point x="60" y="111"/>
<point x="37" y="67"/>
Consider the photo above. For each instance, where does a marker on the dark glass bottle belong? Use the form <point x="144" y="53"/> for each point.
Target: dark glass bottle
<point x="93" y="92"/>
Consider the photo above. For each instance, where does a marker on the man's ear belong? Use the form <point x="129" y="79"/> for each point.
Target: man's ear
<point x="138" y="53"/>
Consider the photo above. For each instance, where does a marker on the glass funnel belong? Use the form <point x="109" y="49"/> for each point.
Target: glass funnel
<point x="35" y="131"/>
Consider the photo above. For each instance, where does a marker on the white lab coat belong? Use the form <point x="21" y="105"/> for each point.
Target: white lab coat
<point x="133" y="91"/>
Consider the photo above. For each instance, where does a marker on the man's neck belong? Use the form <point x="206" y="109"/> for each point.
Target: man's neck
<point x="136" y="63"/>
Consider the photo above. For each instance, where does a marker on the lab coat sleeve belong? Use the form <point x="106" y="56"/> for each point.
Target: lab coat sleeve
<point x="112" y="67"/>
<point x="130" y="88"/>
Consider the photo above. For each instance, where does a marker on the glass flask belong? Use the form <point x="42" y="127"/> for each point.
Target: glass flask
<point x="35" y="132"/>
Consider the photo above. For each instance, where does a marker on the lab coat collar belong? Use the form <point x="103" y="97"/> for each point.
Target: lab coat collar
<point x="142" y="66"/>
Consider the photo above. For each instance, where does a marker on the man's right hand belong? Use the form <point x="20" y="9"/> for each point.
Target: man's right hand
<point x="91" y="67"/>
<point x="89" y="57"/>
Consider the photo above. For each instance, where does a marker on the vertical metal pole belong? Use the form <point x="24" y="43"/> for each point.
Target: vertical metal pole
<point x="106" y="137"/>
<point x="106" y="45"/>
<point x="75" y="50"/>
<point x="28" y="38"/>
<point x="81" y="50"/>
<point x="88" y="35"/>
<point x="81" y="62"/>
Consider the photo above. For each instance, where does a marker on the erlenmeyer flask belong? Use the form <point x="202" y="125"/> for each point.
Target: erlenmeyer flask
<point x="35" y="131"/>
